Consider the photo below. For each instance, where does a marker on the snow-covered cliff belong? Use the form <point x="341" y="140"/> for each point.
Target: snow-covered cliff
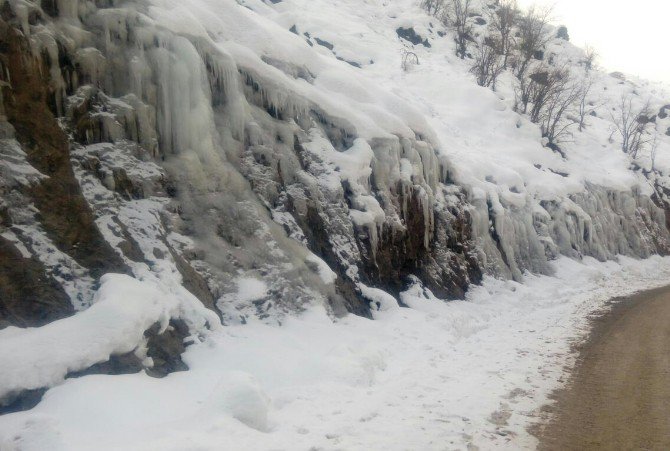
<point x="227" y="141"/>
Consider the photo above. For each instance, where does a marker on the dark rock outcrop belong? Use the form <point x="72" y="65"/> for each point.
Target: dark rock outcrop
<point x="410" y="35"/>
<point x="29" y="296"/>
<point x="28" y="103"/>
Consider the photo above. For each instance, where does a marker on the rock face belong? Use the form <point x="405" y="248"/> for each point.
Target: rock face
<point x="30" y="295"/>
<point x="145" y="149"/>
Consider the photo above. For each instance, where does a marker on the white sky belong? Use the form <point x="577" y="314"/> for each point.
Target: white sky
<point x="630" y="36"/>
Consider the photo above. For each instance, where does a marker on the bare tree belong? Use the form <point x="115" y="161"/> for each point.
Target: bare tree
<point x="632" y="123"/>
<point x="457" y="15"/>
<point x="522" y="94"/>
<point x="502" y="21"/>
<point x="533" y="36"/>
<point x="534" y="91"/>
<point x="488" y="64"/>
<point x="435" y="8"/>
<point x="654" y="149"/>
<point x="554" y="115"/>
<point x="549" y="96"/>
<point x="590" y="58"/>
<point x="584" y="105"/>
<point x="454" y="13"/>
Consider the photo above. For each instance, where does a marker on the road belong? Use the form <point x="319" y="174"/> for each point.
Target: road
<point x="619" y="394"/>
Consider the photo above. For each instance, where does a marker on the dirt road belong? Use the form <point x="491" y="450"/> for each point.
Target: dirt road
<point x="619" y="395"/>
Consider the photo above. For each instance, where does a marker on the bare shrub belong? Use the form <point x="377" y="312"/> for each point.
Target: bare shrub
<point x="533" y="36"/>
<point x="632" y="124"/>
<point x="585" y="105"/>
<point x="435" y="8"/>
<point x="488" y="64"/>
<point x="409" y="60"/>
<point x="549" y="96"/>
<point x="502" y="21"/>
<point x="590" y="58"/>
<point x="555" y="116"/>
<point x="457" y="15"/>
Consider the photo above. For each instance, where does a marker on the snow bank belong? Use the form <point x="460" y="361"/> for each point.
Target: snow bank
<point x="457" y="374"/>
<point x="123" y="308"/>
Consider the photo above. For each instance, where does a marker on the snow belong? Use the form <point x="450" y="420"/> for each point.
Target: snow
<point x="14" y="168"/>
<point x="123" y="308"/>
<point x="490" y="146"/>
<point x="431" y="375"/>
<point x="250" y="289"/>
<point x="327" y="275"/>
<point x="380" y="300"/>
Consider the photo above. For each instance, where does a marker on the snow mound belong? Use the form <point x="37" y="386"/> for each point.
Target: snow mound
<point x="123" y="309"/>
<point x="239" y="394"/>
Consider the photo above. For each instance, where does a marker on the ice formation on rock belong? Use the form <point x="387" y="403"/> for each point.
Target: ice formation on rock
<point x="213" y="143"/>
<point x="168" y="166"/>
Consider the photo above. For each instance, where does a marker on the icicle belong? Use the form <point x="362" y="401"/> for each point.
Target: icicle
<point x="92" y="64"/>
<point x="68" y="9"/>
<point x="278" y="101"/>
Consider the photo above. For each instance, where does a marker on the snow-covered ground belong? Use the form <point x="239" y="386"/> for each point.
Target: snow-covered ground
<point x="432" y="376"/>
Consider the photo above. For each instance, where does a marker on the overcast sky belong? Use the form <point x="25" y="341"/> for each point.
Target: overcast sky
<point x="630" y="36"/>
